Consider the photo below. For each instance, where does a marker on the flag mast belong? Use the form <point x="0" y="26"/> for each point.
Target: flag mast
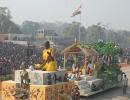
<point x="79" y="27"/>
<point x="78" y="12"/>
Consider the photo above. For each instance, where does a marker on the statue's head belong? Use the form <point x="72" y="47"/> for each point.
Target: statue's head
<point x="47" y="44"/>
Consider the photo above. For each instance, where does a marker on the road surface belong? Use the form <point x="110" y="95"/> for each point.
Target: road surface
<point x="112" y="94"/>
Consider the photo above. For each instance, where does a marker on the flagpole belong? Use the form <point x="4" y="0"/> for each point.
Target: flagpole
<point x="77" y="12"/>
<point x="79" y="27"/>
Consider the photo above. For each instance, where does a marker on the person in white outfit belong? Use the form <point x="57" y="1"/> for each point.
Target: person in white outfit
<point x="125" y="84"/>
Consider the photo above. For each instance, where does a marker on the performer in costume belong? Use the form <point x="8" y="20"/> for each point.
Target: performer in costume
<point x="48" y="57"/>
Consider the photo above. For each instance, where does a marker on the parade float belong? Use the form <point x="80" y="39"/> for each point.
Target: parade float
<point x="101" y="73"/>
<point x="97" y="72"/>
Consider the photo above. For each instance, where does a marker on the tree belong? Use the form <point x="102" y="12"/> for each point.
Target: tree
<point x="95" y="33"/>
<point x="73" y="31"/>
<point x="107" y="49"/>
<point x="4" y="11"/>
<point x="6" y="25"/>
<point x="109" y="69"/>
<point x="30" y="27"/>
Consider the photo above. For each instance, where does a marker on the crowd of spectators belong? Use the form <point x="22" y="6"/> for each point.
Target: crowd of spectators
<point x="11" y="56"/>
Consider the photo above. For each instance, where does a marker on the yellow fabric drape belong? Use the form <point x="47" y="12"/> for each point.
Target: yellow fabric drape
<point x="52" y="65"/>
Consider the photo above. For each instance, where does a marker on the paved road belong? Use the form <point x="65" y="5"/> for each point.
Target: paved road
<point x="112" y="94"/>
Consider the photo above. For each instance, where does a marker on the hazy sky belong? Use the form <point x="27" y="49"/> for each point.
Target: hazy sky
<point x="115" y="13"/>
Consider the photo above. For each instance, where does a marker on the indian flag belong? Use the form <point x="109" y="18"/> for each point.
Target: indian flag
<point x="77" y="11"/>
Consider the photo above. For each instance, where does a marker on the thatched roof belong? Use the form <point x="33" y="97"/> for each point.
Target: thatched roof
<point x="78" y="47"/>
